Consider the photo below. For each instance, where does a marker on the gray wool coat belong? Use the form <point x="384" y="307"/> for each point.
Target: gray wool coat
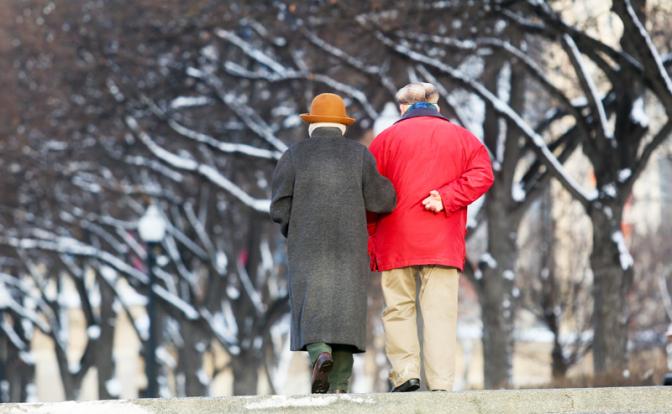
<point x="322" y="188"/>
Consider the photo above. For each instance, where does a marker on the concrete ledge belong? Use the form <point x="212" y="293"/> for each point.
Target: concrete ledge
<point x="640" y="400"/>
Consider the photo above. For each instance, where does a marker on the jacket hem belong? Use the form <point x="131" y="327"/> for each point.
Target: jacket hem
<point x="459" y="265"/>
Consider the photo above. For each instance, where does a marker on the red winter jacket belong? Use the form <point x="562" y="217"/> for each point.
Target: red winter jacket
<point x="421" y="152"/>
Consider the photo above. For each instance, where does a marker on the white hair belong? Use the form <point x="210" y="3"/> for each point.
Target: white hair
<point x="312" y="127"/>
<point x="417" y="92"/>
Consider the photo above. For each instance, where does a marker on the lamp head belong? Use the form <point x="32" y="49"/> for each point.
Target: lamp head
<point x="152" y="226"/>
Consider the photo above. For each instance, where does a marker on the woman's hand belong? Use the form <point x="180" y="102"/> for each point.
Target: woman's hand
<point x="433" y="202"/>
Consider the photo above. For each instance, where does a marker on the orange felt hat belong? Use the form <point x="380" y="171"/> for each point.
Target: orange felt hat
<point x="328" y="107"/>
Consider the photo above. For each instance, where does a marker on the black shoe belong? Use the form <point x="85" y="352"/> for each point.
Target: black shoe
<point x="411" y="385"/>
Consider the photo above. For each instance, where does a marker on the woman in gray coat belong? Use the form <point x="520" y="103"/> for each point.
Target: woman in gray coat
<point x="322" y="188"/>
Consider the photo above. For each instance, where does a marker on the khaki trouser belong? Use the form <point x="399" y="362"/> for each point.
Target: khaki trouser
<point x="438" y="305"/>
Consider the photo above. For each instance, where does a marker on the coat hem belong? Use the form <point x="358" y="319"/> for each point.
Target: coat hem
<point x="459" y="265"/>
<point x="355" y="349"/>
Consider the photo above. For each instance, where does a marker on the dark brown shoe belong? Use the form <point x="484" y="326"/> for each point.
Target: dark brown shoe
<point x="321" y="369"/>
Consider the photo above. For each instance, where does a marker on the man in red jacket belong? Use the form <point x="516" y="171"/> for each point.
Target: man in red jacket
<point x="438" y="169"/>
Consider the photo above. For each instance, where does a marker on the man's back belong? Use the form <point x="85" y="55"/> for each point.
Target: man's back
<point x="420" y="154"/>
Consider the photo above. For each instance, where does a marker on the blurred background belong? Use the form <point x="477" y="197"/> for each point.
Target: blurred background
<point x="138" y="139"/>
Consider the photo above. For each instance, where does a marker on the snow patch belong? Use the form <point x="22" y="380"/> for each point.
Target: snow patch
<point x="221" y="262"/>
<point x="113" y="387"/>
<point x="189" y="101"/>
<point x="98" y="407"/>
<point x="74" y="367"/>
<point x="508" y="274"/>
<point x="142" y="325"/>
<point x="609" y="189"/>
<point x="203" y="377"/>
<point x="27" y="357"/>
<point x="5" y="299"/>
<point x="93" y="332"/>
<point x="638" y="114"/>
<point x="517" y="192"/>
<point x="210" y="52"/>
<point x="624" y="174"/>
<point x="291" y="121"/>
<point x="488" y="260"/>
<point x="279" y="401"/>
<point x="232" y="292"/>
<point x="109" y="274"/>
<point x="165" y="357"/>
<point x="478" y="275"/>
<point x="624" y="254"/>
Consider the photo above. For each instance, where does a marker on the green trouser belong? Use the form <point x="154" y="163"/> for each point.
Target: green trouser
<point x="339" y="377"/>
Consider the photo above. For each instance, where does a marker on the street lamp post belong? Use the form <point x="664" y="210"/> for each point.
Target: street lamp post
<point x="152" y="229"/>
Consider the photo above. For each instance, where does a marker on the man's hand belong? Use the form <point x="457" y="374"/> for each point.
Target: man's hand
<point x="433" y="202"/>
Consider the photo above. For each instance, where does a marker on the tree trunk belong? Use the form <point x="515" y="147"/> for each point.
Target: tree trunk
<point x="191" y="362"/>
<point x="612" y="278"/>
<point x="20" y="377"/>
<point x="550" y="292"/>
<point x="104" y="353"/>
<point x="559" y="364"/>
<point x="246" y="373"/>
<point x="496" y="296"/>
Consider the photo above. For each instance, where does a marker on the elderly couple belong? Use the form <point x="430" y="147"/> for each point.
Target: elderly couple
<point x="412" y="188"/>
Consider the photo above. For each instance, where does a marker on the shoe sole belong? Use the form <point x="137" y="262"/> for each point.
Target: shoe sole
<point x="321" y="383"/>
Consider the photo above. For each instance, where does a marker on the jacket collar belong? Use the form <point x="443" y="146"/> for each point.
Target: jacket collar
<point x="424" y="111"/>
<point x="326" y="132"/>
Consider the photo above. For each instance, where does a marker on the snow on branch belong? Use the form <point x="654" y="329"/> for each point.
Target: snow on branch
<point x="70" y="246"/>
<point x="355" y="93"/>
<point x="250" y="290"/>
<point x="513" y="51"/>
<point x="250" y="50"/>
<point x="284" y="73"/>
<point x="648" y="50"/>
<point x="237" y="104"/>
<point x="224" y="147"/>
<point x="502" y="108"/>
<point x="187" y="164"/>
<point x="201" y="232"/>
<point x="588" y="86"/>
<point x="11" y="334"/>
<point x="8" y="302"/>
<point x="185" y="308"/>
<point x="339" y="53"/>
<point x="140" y="161"/>
<point x="182" y="271"/>
<point x="187" y="242"/>
<point x="660" y="137"/>
<point x="189" y="102"/>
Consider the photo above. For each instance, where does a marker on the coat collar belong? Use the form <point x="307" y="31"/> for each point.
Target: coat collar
<point x="326" y="132"/>
<point x="416" y="112"/>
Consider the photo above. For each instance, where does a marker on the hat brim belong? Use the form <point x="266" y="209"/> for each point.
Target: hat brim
<point x="311" y="119"/>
